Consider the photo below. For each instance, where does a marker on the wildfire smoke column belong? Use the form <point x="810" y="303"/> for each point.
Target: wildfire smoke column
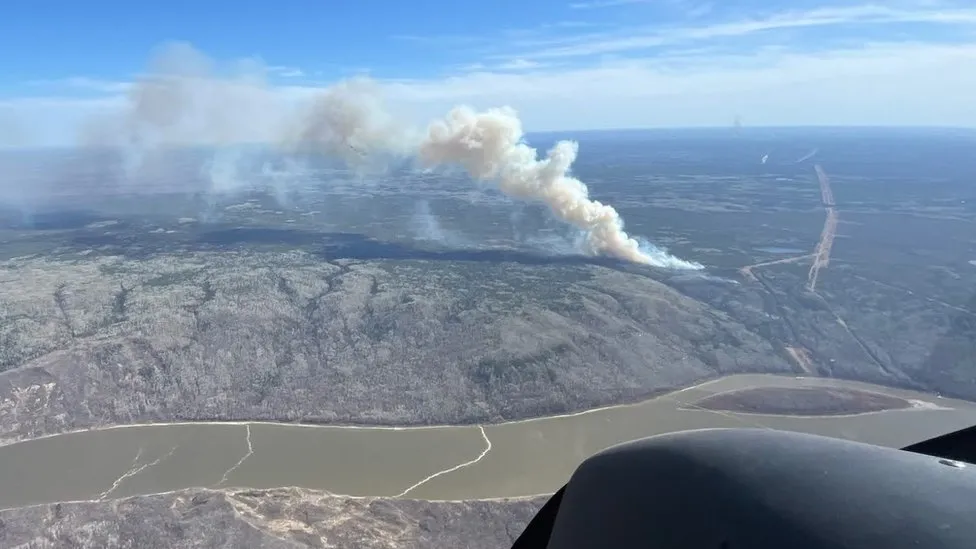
<point x="489" y="145"/>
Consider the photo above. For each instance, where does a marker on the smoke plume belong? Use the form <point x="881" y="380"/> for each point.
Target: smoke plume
<point x="490" y="146"/>
<point x="428" y="227"/>
<point x="348" y="121"/>
<point x="185" y="101"/>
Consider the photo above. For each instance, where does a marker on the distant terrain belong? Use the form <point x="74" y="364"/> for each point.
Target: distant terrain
<point x="417" y="298"/>
<point x="293" y="337"/>
<point x="422" y="299"/>
<point x="265" y="519"/>
<point x="802" y="401"/>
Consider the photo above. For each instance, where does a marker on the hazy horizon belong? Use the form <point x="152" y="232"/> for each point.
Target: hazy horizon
<point x="742" y="131"/>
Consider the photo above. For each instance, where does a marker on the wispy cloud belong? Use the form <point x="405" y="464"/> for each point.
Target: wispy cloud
<point x="543" y="33"/>
<point x="688" y="8"/>
<point x="877" y="84"/>
<point x="285" y="71"/>
<point x="697" y="10"/>
<point x="643" y="38"/>
<point x="597" y="4"/>
<point x="80" y="83"/>
<point x="512" y="65"/>
<point x="439" y="39"/>
<point x="689" y="77"/>
<point x="694" y="24"/>
<point x="520" y="65"/>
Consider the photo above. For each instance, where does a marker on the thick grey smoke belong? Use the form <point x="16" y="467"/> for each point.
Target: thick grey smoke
<point x="185" y="100"/>
<point x="348" y="121"/>
<point x="490" y="146"/>
<point x="181" y="101"/>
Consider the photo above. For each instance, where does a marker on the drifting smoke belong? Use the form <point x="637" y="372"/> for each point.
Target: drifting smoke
<point x="490" y="146"/>
<point x="182" y="104"/>
<point x="281" y="179"/>
<point x="180" y="101"/>
<point x="348" y="122"/>
<point x="428" y="227"/>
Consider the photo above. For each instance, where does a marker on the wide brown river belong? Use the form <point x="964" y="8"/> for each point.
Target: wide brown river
<point x="510" y="459"/>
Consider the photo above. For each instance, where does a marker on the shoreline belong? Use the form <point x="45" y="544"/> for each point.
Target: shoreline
<point x="911" y="408"/>
<point x="911" y="404"/>
<point x="624" y="405"/>
<point x="368" y="427"/>
<point x="299" y="486"/>
<point x="322" y="493"/>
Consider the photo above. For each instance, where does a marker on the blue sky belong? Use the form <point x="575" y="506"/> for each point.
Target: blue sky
<point x="564" y="64"/>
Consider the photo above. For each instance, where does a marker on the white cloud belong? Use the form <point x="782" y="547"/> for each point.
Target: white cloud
<point x="80" y="83"/>
<point x="285" y="71"/>
<point x="519" y="65"/>
<point x="880" y="83"/>
<point x="636" y="39"/>
<point x="510" y="65"/>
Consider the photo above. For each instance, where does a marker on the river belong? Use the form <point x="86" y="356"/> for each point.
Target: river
<point x="441" y="462"/>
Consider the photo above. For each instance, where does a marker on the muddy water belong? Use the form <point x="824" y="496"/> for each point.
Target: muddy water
<point x="511" y="459"/>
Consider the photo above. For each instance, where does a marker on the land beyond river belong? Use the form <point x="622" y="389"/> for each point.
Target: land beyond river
<point x="343" y="362"/>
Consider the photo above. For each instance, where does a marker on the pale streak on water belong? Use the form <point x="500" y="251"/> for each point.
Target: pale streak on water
<point x="506" y="460"/>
